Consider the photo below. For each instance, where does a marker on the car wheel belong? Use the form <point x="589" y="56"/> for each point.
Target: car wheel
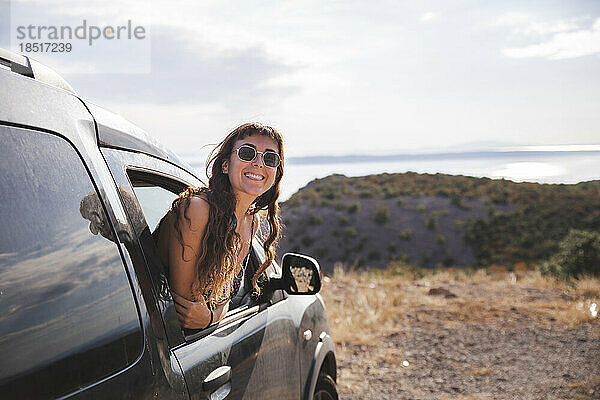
<point x="325" y="389"/>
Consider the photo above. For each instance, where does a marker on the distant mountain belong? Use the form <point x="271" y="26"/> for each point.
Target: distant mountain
<point x="529" y="152"/>
<point x="433" y="219"/>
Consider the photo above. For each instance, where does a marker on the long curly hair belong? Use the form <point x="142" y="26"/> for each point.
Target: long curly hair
<point x="221" y="244"/>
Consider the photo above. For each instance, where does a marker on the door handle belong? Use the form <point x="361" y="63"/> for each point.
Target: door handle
<point x="217" y="378"/>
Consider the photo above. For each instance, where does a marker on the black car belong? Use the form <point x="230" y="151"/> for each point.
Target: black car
<point x="85" y="308"/>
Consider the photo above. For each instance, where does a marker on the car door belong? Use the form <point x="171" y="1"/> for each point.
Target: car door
<point x="253" y="350"/>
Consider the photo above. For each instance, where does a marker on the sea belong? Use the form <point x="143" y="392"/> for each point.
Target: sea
<point x="541" y="164"/>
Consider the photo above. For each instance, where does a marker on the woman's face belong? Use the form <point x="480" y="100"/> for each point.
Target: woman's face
<point x="251" y="178"/>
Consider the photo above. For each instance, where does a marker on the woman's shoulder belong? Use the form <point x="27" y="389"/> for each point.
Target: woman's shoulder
<point x="196" y="210"/>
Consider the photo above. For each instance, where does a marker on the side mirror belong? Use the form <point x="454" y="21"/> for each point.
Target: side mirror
<point x="300" y="274"/>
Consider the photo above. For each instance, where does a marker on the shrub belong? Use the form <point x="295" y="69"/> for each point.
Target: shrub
<point x="425" y="259"/>
<point x="294" y="201"/>
<point x="339" y="206"/>
<point x="392" y="247"/>
<point x="421" y="208"/>
<point x="400" y="201"/>
<point x="405" y="234"/>
<point x="402" y="268"/>
<point x="388" y="193"/>
<point x="382" y="215"/>
<point x="431" y="222"/>
<point x="448" y="260"/>
<point x="315" y="219"/>
<point x="307" y="241"/>
<point x="350" y="232"/>
<point x="321" y="252"/>
<point x="358" y="247"/>
<point x="440" y="239"/>
<point x="457" y="200"/>
<point x="354" y="207"/>
<point x="373" y="255"/>
<point x="579" y="254"/>
<point x="344" y="221"/>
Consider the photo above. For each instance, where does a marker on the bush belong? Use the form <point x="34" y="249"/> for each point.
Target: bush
<point x="448" y="260"/>
<point x="392" y="247"/>
<point x="421" y="208"/>
<point x="432" y="222"/>
<point x="350" y="232"/>
<point x="321" y="252"/>
<point x="339" y="206"/>
<point x="440" y="239"/>
<point x="315" y="220"/>
<point x="457" y="200"/>
<point x="354" y="207"/>
<point x="344" y="221"/>
<point x="358" y="247"/>
<point x="401" y="268"/>
<point x="382" y="215"/>
<point x="405" y="234"/>
<point x="307" y="241"/>
<point x="579" y="254"/>
<point x="400" y="201"/>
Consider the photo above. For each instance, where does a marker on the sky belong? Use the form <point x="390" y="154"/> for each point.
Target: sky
<point x="338" y="77"/>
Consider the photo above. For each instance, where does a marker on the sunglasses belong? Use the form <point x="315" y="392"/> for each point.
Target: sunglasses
<point x="248" y="154"/>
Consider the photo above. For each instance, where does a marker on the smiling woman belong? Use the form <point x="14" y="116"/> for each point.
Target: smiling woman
<point x="205" y="238"/>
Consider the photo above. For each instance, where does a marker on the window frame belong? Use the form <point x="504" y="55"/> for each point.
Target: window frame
<point x="152" y="177"/>
<point x="169" y="183"/>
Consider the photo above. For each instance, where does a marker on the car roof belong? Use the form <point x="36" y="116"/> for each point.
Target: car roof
<point x="117" y="132"/>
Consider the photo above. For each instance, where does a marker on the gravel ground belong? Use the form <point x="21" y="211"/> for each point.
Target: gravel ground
<point x="468" y="347"/>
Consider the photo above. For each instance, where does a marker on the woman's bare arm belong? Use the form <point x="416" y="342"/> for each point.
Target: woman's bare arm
<point x="195" y="314"/>
<point x="183" y="260"/>
<point x="182" y="266"/>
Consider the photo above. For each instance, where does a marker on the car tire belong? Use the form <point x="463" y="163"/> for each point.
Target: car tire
<point x="325" y="388"/>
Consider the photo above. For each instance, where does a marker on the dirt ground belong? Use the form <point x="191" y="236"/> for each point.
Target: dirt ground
<point x="488" y="336"/>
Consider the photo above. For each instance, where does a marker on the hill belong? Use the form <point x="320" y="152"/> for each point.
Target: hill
<point x="434" y="220"/>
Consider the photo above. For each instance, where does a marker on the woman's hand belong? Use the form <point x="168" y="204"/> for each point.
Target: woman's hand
<point x="191" y="314"/>
<point x="196" y="314"/>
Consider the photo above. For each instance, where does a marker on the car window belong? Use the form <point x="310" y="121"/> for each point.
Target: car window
<point x="67" y="313"/>
<point x="155" y="193"/>
<point x="155" y="202"/>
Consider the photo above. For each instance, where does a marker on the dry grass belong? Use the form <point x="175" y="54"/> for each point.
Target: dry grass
<point x="367" y="309"/>
<point x="480" y="371"/>
<point x="480" y="396"/>
<point x="586" y="389"/>
<point x="361" y="308"/>
<point x="366" y="306"/>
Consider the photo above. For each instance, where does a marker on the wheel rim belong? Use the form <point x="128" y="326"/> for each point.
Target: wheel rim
<point x="323" y="395"/>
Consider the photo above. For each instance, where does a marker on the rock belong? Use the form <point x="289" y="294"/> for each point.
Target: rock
<point x="439" y="291"/>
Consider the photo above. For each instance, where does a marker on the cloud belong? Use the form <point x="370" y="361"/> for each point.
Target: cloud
<point x="563" y="42"/>
<point x="428" y="16"/>
<point x="524" y="25"/>
<point x="181" y="76"/>
<point x="511" y="19"/>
